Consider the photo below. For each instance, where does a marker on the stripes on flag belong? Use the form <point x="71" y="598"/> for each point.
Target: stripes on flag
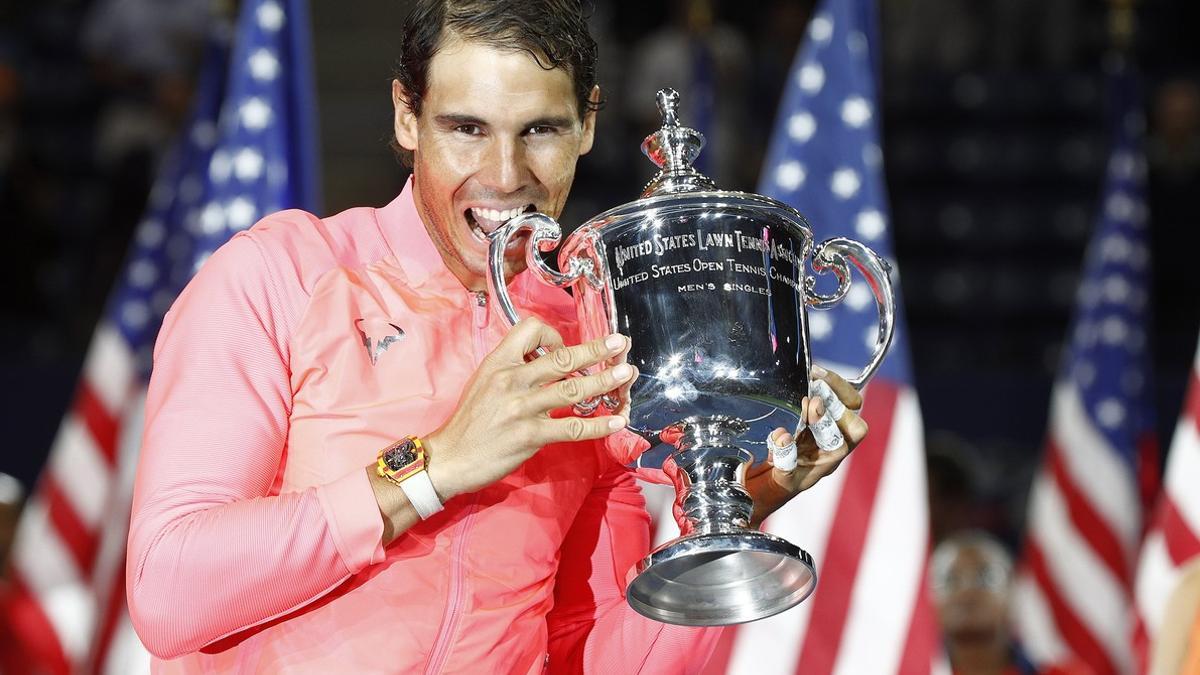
<point x="867" y="524"/>
<point x="246" y="151"/>
<point x="1085" y="517"/>
<point x="1174" y="538"/>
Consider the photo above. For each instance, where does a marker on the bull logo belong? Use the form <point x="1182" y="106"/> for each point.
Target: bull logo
<point x="378" y="335"/>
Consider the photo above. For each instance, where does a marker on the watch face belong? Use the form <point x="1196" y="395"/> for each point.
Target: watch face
<point x="401" y="455"/>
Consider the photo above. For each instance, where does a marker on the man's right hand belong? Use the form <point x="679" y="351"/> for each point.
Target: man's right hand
<point x="503" y="417"/>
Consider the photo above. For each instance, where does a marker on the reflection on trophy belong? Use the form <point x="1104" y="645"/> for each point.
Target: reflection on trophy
<point x="712" y="289"/>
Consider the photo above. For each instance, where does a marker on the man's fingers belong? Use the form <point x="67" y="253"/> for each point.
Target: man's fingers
<point x="854" y="428"/>
<point x="826" y="434"/>
<point x="572" y="390"/>
<point x="833" y="405"/>
<point x="565" y="360"/>
<point x="525" y="337"/>
<point x="850" y="425"/>
<point x="573" y="428"/>
<point x="782" y="448"/>
<point x="844" y="391"/>
<point x="624" y="396"/>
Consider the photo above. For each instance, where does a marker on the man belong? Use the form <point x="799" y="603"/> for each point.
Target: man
<point x="270" y="531"/>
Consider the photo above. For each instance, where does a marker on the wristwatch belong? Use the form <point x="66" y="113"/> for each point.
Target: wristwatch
<point x="403" y="464"/>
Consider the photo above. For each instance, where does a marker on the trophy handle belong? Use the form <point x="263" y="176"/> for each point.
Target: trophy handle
<point x="544" y="237"/>
<point x="835" y="255"/>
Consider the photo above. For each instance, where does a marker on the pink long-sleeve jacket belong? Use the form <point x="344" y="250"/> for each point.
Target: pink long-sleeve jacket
<point x="300" y="349"/>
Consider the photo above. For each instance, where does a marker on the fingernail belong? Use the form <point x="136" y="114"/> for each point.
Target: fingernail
<point x="617" y="422"/>
<point x="818" y="407"/>
<point x="622" y="371"/>
<point x="818" y="371"/>
<point x="615" y="342"/>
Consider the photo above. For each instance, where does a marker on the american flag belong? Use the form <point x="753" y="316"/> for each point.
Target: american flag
<point x="247" y="150"/>
<point x="867" y="524"/>
<point x="1173" y="542"/>
<point x="1087" y="502"/>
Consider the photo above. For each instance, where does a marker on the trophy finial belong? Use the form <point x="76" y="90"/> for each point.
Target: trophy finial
<point x="668" y="106"/>
<point x="674" y="148"/>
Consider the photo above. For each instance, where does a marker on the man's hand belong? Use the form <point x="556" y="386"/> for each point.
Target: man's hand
<point x="772" y="487"/>
<point x="504" y="415"/>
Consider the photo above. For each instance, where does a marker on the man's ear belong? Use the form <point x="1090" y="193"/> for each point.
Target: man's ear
<point x="589" y="121"/>
<point x="405" y="121"/>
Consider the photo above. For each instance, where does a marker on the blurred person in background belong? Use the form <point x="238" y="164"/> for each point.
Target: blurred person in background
<point x="1174" y="146"/>
<point x="1176" y="650"/>
<point x="972" y="575"/>
<point x="143" y="54"/>
<point x="710" y="63"/>
<point x="938" y="35"/>
<point x="951" y="485"/>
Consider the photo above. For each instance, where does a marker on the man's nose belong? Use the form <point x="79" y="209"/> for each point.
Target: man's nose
<point x="506" y="169"/>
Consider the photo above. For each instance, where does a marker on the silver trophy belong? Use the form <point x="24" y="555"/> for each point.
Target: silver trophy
<point x="712" y="289"/>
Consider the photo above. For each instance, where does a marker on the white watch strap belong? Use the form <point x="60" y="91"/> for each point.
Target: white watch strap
<point x="419" y="490"/>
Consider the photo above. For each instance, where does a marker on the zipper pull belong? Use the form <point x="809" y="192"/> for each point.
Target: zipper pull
<point x="481" y="298"/>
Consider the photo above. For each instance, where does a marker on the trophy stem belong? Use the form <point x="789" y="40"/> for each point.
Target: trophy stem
<point x="710" y="483"/>
<point x="718" y="571"/>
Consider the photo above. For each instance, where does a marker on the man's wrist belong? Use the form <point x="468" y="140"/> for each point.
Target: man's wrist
<point x="405" y="465"/>
<point x="437" y="467"/>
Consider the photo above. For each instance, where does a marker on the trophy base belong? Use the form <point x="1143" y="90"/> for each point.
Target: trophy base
<point x="721" y="578"/>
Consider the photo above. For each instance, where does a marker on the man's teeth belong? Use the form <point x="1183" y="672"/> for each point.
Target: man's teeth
<point x="495" y="218"/>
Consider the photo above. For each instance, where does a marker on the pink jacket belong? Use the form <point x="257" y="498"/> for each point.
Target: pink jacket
<point x="255" y="540"/>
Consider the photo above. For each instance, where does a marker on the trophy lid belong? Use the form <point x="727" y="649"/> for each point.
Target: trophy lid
<point x="674" y="148"/>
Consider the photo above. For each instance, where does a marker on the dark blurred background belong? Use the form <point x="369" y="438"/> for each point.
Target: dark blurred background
<point x="994" y="147"/>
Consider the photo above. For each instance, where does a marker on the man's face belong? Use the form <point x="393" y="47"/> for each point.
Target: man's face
<point x="498" y="135"/>
<point x="972" y="598"/>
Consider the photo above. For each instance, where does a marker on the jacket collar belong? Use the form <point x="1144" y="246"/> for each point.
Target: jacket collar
<point x="419" y="258"/>
<point x="409" y="241"/>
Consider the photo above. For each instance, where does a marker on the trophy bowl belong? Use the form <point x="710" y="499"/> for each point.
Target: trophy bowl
<point x="711" y="288"/>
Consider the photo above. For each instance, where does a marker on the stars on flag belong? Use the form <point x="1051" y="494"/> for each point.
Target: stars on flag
<point x="870" y="224"/>
<point x="248" y="164"/>
<point x="845" y="183"/>
<point x="820" y="29"/>
<point x="255" y="114"/>
<point x="230" y="170"/>
<point x="263" y="65"/>
<point x="820" y="325"/>
<point x="856" y="111"/>
<point x="270" y="16"/>
<point x="241" y="213"/>
<point x="802" y="126"/>
<point x="1109" y="345"/>
<point x="811" y="78"/>
<point x="790" y="175"/>
<point x="825" y="160"/>
<point x="858" y="298"/>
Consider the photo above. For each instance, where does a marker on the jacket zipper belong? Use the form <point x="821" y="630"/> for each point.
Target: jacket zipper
<point x="446" y="632"/>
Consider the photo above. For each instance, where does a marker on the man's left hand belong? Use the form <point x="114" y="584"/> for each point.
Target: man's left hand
<point x="772" y="487"/>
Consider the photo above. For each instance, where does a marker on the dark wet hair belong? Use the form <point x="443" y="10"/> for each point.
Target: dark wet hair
<point x="554" y="32"/>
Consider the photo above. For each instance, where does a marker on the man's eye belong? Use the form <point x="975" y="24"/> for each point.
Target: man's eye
<point x="540" y="130"/>
<point x="468" y="129"/>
